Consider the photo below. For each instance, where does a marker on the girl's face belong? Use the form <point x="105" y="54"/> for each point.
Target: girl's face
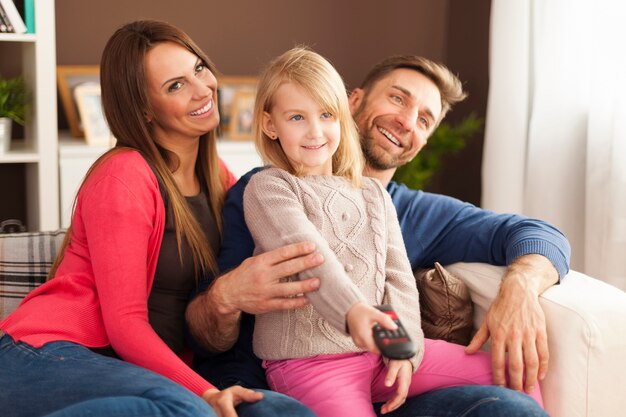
<point x="308" y="134"/>
<point x="182" y="93"/>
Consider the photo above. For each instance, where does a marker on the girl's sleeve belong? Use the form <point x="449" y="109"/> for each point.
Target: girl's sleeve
<point x="400" y="288"/>
<point x="121" y="221"/>
<point x="276" y="217"/>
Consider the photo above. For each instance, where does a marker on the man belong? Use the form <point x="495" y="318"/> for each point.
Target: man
<point x="397" y="108"/>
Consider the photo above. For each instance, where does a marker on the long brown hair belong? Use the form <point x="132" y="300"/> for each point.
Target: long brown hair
<point x="125" y="103"/>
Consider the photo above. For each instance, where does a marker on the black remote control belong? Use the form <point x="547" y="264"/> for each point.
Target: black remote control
<point x="393" y="344"/>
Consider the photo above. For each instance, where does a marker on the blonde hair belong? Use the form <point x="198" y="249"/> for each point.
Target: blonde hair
<point x="125" y="104"/>
<point x="315" y="75"/>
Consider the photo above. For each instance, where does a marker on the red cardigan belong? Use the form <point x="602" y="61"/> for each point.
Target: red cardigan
<point x="98" y="296"/>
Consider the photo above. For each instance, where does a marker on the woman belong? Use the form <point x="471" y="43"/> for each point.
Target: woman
<point x="145" y="227"/>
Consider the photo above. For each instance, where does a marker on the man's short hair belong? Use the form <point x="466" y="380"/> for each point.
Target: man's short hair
<point x="449" y="85"/>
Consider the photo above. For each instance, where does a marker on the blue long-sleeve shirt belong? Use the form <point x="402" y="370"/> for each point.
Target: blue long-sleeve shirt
<point x="435" y="228"/>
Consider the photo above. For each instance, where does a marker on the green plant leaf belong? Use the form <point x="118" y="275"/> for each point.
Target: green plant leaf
<point x="13" y="99"/>
<point x="446" y="139"/>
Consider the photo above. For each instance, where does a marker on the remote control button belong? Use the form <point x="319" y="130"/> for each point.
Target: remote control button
<point x="392" y="314"/>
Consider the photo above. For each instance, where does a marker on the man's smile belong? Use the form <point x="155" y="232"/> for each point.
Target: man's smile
<point x="390" y="136"/>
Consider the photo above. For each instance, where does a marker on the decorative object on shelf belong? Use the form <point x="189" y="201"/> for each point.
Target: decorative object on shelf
<point x="446" y="139"/>
<point x="227" y="89"/>
<point x="94" y="124"/>
<point x="5" y="135"/>
<point x="13" y="105"/>
<point x="14" y="18"/>
<point x="242" y="111"/>
<point x="68" y="78"/>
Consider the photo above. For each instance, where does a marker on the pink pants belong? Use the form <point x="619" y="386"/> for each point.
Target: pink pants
<point x="347" y="384"/>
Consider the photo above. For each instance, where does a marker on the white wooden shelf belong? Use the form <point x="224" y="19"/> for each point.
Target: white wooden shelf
<point x="18" y="37"/>
<point x="37" y="53"/>
<point x="20" y="152"/>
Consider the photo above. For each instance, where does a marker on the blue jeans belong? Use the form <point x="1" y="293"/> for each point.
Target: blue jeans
<point x="469" y="401"/>
<point x="63" y="379"/>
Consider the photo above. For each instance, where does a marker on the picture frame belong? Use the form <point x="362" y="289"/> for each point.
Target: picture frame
<point x="69" y="77"/>
<point x="242" y="112"/>
<point x="228" y="86"/>
<point x="94" y="124"/>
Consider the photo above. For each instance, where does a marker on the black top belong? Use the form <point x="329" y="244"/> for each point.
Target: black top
<point x="174" y="281"/>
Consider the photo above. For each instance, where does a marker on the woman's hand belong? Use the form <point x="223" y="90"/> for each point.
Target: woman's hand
<point x="400" y="371"/>
<point x="360" y="320"/>
<point x="224" y="402"/>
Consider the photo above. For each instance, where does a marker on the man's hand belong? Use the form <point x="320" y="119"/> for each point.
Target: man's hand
<point x="253" y="287"/>
<point x="224" y="402"/>
<point x="517" y="326"/>
<point x="400" y="372"/>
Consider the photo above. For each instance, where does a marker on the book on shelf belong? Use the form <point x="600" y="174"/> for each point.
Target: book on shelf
<point x="13" y="16"/>
<point x="29" y="15"/>
<point x="26" y="8"/>
<point x="5" y="24"/>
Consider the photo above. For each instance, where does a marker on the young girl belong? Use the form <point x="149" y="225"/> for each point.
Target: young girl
<point x="324" y="354"/>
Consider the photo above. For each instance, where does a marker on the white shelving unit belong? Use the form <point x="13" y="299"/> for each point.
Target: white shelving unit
<point x="38" y="150"/>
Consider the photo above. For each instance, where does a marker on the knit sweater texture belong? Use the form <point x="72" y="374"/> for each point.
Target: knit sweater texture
<point x="435" y="227"/>
<point x="357" y="232"/>
<point x="99" y="296"/>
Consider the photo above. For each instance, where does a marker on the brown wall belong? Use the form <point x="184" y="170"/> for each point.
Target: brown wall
<point x="467" y="54"/>
<point x="241" y="36"/>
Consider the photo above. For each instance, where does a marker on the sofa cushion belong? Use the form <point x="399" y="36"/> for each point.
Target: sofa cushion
<point x="445" y="305"/>
<point x="25" y="259"/>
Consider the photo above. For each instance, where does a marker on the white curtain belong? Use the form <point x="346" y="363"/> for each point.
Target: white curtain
<point x="555" y="141"/>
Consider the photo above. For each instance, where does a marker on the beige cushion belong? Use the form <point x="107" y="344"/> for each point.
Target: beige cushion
<point x="445" y="305"/>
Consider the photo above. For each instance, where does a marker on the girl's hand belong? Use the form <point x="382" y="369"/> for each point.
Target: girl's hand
<point x="224" y="402"/>
<point x="360" y="320"/>
<point x="401" y="372"/>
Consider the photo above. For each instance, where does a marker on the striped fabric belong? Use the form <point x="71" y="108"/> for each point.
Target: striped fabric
<point x="25" y="259"/>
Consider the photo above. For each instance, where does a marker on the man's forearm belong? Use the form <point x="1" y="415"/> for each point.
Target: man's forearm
<point x="533" y="272"/>
<point x="213" y="327"/>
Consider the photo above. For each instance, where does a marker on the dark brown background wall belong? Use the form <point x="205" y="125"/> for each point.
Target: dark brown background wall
<point x="241" y="36"/>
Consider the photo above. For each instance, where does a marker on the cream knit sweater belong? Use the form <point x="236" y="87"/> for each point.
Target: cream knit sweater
<point x="357" y="232"/>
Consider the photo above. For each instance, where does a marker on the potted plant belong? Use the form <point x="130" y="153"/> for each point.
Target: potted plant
<point x="13" y="103"/>
<point x="446" y="139"/>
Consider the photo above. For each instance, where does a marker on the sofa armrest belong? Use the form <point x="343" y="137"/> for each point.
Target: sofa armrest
<point x="586" y="324"/>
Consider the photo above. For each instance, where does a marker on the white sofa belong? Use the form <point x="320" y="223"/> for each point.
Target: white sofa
<point x="586" y="321"/>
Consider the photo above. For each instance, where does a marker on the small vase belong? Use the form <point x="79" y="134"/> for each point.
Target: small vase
<point x="5" y="134"/>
